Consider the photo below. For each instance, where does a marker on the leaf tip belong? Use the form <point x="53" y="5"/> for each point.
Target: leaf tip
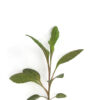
<point x="55" y="27"/>
<point x="26" y="35"/>
<point x="12" y="79"/>
<point x="80" y="50"/>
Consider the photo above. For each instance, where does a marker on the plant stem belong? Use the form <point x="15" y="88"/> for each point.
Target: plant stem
<point x="49" y="85"/>
<point x="53" y="73"/>
<point x="49" y="82"/>
<point x="49" y="76"/>
<point x="44" y="88"/>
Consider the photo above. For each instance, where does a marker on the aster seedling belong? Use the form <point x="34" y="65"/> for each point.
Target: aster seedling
<point x="31" y="75"/>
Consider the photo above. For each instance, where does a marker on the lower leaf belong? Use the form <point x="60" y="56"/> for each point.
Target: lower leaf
<point x="60" y="95"/>
<point x="34" y="97"/>
<point x="28" y="75"/>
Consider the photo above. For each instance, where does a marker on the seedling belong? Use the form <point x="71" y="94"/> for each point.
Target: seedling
<point x="31" y="75"/>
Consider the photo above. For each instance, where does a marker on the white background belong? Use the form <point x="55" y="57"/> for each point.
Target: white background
<point x="79" y="25"/>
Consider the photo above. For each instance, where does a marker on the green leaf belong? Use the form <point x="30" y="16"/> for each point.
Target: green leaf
<point x="34" y="97"/>
<point x="34" y="74"/>
<point x="60" y="76"/>
<point x="46" y="52"/>
<point x="20" y="78"/>
<point x="28" y="75"/>
<point x="54" y="38"/>
<point x="60" y="95"/>
<point x="69" y="56"/>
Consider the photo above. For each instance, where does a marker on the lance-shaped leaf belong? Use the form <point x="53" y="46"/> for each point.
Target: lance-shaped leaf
<point x="28" y="75"/>
<point x="69" y="56"/>
<point x="46" y="52"/>
<point x="58" y="76"/>
<point x="34" y="97"/>
<point x="60" y="95"/>
<point x="54" y="38"/>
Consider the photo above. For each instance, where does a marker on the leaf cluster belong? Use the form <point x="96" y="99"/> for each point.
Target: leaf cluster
<point x="31" y="75"/>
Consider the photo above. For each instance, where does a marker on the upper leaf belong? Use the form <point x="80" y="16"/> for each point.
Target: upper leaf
<point x="60" y="95"/>
<point x="26" y="76"/>
<point x="67" y="57"/>
<point x="34" y="97"/>
<point x="46" y="52"/>
<point x="54" y="38"/>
